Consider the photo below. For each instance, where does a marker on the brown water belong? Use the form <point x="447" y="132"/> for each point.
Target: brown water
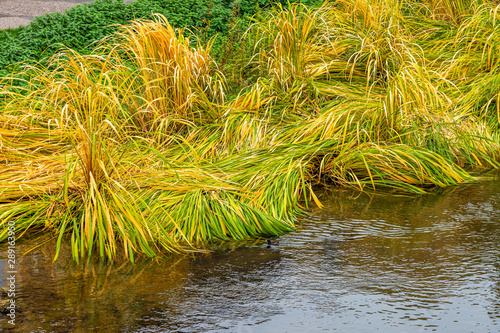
<point x="365" y="263"/>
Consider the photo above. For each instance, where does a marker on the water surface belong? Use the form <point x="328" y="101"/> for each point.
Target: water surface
<point x="364" y="263"/>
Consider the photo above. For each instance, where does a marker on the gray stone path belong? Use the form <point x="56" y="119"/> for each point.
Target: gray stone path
<point x="15" y="13"/>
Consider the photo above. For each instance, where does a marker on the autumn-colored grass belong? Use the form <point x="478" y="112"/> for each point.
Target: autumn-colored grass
<point x="137" y="150"/>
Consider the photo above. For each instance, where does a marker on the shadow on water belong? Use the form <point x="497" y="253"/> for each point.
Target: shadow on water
<point x="363" y="263"/>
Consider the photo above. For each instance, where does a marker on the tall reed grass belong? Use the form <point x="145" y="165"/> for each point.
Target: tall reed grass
<point x="136" y="149"/>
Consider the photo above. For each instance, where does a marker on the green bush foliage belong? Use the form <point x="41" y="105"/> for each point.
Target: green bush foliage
<point x="87" y="23"/>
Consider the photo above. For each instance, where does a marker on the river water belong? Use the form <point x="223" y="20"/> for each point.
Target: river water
<point x="364" y="263"/>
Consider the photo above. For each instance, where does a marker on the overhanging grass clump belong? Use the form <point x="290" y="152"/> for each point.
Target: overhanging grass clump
<point x="136" y="147"/>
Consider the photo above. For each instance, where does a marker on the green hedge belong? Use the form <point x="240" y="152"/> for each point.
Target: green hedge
<point x="84" y="24"/>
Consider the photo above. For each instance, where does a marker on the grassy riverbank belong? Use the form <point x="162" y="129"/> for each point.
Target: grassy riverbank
<point x="137" y="147"/>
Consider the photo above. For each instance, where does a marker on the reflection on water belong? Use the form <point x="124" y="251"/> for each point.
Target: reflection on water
<point x="364" y="263"/>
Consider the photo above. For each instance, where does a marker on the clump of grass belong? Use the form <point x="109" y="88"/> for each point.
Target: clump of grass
<point x="167" y="78"/>
<point x="454" y="11"/>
